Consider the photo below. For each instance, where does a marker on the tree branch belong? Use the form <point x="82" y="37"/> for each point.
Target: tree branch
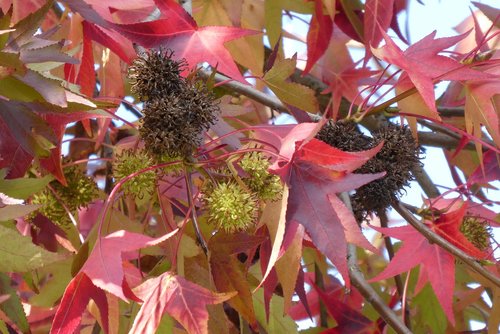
<point x="425" y="182"/>
<point x="470" y="261"/>
<point x="371" y="295"/>
<point x="366" y="290"/>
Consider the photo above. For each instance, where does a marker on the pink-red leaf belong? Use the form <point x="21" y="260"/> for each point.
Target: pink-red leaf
<point x="422" y="63"/>
<point x="75" y="299"/>
<point x="183" y="300"/>
<point x="349" y="320"/>
<point x="436" y="265"/>
<point x="315" y="172"/>
<point x="377" y="18"/>
<point x="318" y="36"/>
<point x="104" y="265"/>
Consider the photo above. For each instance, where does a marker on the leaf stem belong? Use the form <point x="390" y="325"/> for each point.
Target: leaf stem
<point x="470" y="261"/>
<point x="189" y="187"/>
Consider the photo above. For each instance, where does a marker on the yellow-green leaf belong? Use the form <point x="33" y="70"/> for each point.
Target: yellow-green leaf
<point x="290" y="93"/>
<point x="19" y="254"/>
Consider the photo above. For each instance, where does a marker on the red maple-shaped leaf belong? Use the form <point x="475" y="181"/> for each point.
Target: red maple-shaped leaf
<point x="377" y="18"/>
<point x="349" y="320"/>
<point x="436" y="265"/>
<point x="175" y="30"/>
<point x="185" y="301"/>
<point x="318" y="36"/>
<point x="104" y="265"/>
<point x="481" y="105"/>
<point x="179" y="32"/>
<point x="315" y="172"/>
<point x="74" y="301"/>
<point x="422" y="63"/>
<point x="447" y="225"/>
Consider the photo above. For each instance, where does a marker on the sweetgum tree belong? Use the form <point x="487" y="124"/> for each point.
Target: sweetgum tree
<point x="195" y="213"/>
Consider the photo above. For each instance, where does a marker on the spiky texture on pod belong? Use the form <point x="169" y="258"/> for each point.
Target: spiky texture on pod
<point x="230" y="207"/>
<point x="175" y="169"/>
<point x="130" y="162"/>
<point x="79" y="192"/>
<point x="154" y="75"/>
<point x="267" y="186"/>
<point x="176" y="111"/>
<point x="398" y="158"/>
<point x="173" y="125"/>
<point x="344" y="136"/>
<point x="478" y="232"/>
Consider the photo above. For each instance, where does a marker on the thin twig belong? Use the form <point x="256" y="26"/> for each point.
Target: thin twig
<point x="189" y="187"/>
<point x="470" y="261"/>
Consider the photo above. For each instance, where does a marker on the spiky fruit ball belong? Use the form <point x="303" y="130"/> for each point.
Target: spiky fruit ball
<point x="267" y="186"/>
<point x="477" y="231"/>
<point x="230" y="207"/>
<point x="345" y="136"/>
<point x="130" y="162"/>
<point x="173" y="125"/>
<point x="79" y="192"/>
<point x="399" y="156"/>
<point x="155" y="75"/>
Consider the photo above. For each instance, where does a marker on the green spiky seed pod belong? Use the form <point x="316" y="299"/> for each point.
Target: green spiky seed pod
<point x="130" y="162"/>
<point x="176" y="169"/>
<point x="230" y="207"/>
<point x="344" y="136"/>
<point x="173" y="126"/>
<point x="267" y="186"/>
<point x="478" y="232"/>
<point x="398" y="158"/>
<point x="155" y="75"/>
<point x="51" y="208"/>
<point x="80" y="191"/>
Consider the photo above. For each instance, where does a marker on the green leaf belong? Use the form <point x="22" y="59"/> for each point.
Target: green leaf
<point x="10" y="212"/>
<point x="11" y="60"/>
<point x="23" y="187"/>
<point x="19" y="254"/>
<point x="4" y="25"/>
<point x="291" y="93"/>
<point x="12" y="307"/>
<point x="278" y="322"/>
<point x="430" y="316"/>
<point x="273" y="13"/>
<point x="56" y="277"/>
<point x="15" y="89"/>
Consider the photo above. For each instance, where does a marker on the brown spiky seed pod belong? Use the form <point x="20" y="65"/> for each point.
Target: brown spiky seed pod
<point x="345" y="136"/>
<point x="399" y="156"/>
<point x="155" y="74"/>
<point x="174" y="124"/>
